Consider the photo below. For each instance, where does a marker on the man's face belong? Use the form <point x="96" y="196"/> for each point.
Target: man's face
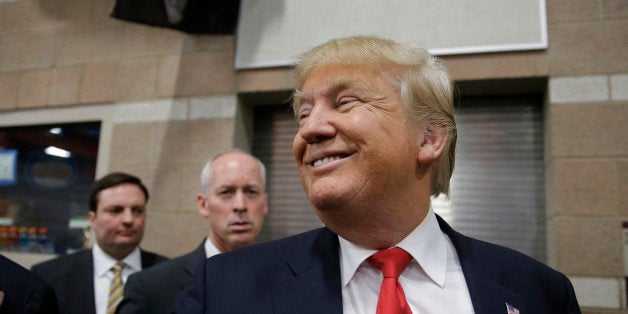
<point x="235" y="201"/>
<point x="353" y="148"/>
<point x="118" y="223"/>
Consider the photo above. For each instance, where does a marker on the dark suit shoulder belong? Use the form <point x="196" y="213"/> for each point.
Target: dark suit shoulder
<point x="545" y="289"/>
<point x="63" y="259"/>
<point x="256" y="259"/>
<point x="162" y="268"/>
<point x="153" y="290"/>
<point x="149" y="258"/>
<point x="24" y="292"/>
<point x="278" y="250"/>
<point x="492" y="258"/>
<point x="61" y="264"/>
<point x="508" y="260"/>
<point x="246" y="280"/>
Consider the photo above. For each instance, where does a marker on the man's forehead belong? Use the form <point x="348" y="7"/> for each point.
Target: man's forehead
<point x="238" y="184"/>
<point x="332" y="79"/>
<point x="238" y="164"/>
<point x="235" y="173"/>
<point x="125" y="187"/>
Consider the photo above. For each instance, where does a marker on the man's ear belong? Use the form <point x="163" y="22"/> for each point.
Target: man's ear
<point x="91" y="215"/>
<point x="201" y="205"/>
<point x="265" y="208"/>
<point x="432" y="144"/>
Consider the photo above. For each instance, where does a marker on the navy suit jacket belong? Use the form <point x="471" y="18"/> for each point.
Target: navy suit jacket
<point x="153" y="291"/>
<point x="301" y="274"/>
<point x="72" y="278"/>
<point x="24" y="292"/>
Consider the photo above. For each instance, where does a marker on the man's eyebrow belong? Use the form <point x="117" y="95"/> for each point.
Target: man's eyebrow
<point x="346" y="82"/>
<point x="297" y="99"/>
<point x="333" y="86"/>
<point x="224" y="186"/>
<point x="112" y="207"/>
<point x="252" y="186"/>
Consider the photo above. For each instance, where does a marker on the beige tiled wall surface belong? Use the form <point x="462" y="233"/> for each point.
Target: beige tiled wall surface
<point x="176" y="96"/>
<point x="587" y="125"/>
<point x="587" y="246"/>
<point x="588" y="47"/>
<point x="70" y="52"/>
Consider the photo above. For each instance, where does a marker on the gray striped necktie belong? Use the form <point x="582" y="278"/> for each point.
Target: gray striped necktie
<point x="116" y="289"/>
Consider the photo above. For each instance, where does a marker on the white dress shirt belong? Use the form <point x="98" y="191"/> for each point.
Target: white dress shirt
<point x="103" y="274"/>
<point x="433" y="282"/>
<point x="210" y="248"/>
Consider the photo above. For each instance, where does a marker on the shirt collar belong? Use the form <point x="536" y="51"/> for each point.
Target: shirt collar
<point x="210" y="248"/>
<point x="103" y="262"/>
<point x="426" y="243"/>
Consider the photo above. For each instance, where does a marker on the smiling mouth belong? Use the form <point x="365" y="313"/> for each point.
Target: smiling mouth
<point x="326" y="160"/>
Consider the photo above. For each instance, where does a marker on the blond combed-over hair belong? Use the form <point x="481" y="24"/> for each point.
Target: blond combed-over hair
<point x="426" y="90"/>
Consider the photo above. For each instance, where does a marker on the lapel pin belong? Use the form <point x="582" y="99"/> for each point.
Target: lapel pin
<point x="511" y="309"/>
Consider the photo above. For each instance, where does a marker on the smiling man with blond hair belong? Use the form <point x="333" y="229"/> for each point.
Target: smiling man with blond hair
<point x="376" y="140"/>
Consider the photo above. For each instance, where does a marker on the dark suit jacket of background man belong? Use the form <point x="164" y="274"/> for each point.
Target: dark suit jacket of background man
<point x="72" y="278"/>
<point x="301" y="274"/>
<point x="154" y="290"/>
<point x="24" y="292"/>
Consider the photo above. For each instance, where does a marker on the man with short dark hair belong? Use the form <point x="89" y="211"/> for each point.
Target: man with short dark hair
<point x="92" y="281"/>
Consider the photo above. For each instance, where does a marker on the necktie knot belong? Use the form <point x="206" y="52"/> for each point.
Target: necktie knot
<point x="391" y="261"/>
<point x="117" y="268"/>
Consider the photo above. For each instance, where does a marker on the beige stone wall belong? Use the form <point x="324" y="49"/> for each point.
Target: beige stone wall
<point x="176" y="104"/>
<point x="587" y="132"/>
<point x="67" y="52"/>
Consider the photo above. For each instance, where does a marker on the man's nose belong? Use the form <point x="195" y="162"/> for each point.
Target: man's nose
<point x="127" y="216"/>
<point x="239" y="202"/>
<point x="319" y="125"/>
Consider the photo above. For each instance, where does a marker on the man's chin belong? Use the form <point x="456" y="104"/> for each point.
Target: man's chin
<point x="127" y="243"/>
<point x="326" y="201"/>
<point x="242" y="240"/>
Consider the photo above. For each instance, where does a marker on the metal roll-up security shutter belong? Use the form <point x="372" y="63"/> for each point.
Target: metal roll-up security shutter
<point x="497" y="190"/>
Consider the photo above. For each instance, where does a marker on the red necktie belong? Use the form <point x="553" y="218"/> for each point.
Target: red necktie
<point x="391" y="262"/>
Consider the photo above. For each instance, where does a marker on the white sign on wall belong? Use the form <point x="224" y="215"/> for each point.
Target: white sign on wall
<point x="273" y="32"/>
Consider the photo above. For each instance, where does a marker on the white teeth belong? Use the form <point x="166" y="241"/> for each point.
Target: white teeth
<point x="323" y="161"/>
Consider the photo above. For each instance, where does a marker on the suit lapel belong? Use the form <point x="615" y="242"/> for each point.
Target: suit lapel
<point x="190" y="263"/>
<point x="488" y="296"/>
<point x="310" y="280"/>
<point x="147" y="259"/>
<point x="194" y="258"/>
<point x="83" y="276"/>
<point x="485" y="288"/>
